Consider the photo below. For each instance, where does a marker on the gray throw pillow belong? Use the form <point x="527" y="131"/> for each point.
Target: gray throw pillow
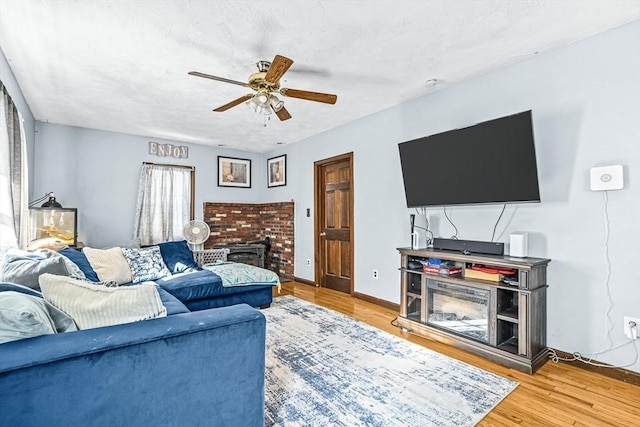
<point x="25" y="316"/>
<point x="26" y="268"/>
<point x="72" y="268"/>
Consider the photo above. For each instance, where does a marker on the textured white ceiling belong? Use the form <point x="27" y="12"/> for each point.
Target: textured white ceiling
<point x="122" y="65"/>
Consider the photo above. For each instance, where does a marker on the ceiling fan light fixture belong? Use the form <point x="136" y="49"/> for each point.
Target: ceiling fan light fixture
<point x="258" y="108"/>
<point x="276" y="103"/>
<point x="260" y="103"/>
<point x="262" y="98"/>
<point x="252" y="104"/>
<point x="263" y="110"/>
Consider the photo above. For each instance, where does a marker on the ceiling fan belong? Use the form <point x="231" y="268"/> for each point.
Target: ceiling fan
<point x="266" y="82"/>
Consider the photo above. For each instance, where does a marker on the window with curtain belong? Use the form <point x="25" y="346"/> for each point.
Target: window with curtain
<point x="14" y="189"/>
<point x="165" y="203"/>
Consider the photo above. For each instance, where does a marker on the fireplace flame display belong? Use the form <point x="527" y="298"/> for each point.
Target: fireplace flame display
<point x="461" y="310"/>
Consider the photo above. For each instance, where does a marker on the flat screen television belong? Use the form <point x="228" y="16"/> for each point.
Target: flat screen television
<point x="490" y="162"/>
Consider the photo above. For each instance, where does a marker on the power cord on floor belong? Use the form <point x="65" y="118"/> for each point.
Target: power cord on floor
<point x="578" y="357"/>
<point x="395" y="320"/>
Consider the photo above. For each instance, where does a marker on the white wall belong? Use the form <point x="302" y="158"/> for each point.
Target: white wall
<point x="586" y="111"/>
<point x="97" y="172"/>
<point x="11" y="84"/>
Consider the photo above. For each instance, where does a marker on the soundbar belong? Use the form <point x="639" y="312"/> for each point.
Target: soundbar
<point x="469" y="246"/>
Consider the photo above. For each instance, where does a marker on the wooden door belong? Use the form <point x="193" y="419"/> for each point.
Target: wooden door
<point x="334" y="223"/>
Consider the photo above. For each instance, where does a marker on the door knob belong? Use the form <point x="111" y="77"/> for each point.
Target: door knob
<point x="323" y="234"/>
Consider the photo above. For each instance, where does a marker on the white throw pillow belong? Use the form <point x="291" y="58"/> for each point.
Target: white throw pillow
<point x="93" y="306"/>
<point x="109" y="264"/>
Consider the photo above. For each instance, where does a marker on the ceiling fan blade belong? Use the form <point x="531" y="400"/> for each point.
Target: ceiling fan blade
<point x="327" y="98"/>
<point x="233" y="103"/>
<point x="220" y="79"/>
<point x="278" y="67"/>
<point x="282" y="114"/>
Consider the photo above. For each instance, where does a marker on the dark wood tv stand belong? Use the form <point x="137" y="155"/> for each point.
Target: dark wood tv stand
<point x="508" y="321"/>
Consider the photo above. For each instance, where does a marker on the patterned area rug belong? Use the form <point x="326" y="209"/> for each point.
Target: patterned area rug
<point x="326" y="369"/>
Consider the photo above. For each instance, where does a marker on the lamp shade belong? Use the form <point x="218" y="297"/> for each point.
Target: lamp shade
<point x="51" y="203"/>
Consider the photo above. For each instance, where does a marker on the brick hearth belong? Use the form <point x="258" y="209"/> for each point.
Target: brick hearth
<point x="242" y="222"/>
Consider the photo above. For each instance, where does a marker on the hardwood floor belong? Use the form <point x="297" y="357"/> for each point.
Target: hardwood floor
<point x="556" y="395"/>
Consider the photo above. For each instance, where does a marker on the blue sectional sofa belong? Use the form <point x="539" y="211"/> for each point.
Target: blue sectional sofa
<point x="202" y="364"/>
<point x="203" y="368"/>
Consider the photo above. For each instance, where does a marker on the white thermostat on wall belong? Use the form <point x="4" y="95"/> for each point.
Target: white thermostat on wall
<point x="607" y="178"/>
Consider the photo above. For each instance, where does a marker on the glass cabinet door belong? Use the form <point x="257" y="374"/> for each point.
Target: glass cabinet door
<point x="465" y="311"/>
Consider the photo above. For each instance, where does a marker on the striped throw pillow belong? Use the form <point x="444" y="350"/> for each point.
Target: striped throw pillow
<point x="92" y="306"/>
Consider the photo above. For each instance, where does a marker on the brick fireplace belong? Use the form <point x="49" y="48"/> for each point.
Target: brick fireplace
<point x="233" y="223"/>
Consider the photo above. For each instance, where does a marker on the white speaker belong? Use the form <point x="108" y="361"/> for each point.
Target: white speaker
<point x="519" y="244"/>
<point x="606" y="178"/>
<point x="415" y="241"/>
<point x="419" y="235"/>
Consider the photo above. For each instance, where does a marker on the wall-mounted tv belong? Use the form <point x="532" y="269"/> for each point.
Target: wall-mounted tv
<point x="490" y="162"/>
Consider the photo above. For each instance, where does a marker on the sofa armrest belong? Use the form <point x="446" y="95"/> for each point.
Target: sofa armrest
<point x="200" y="368"/>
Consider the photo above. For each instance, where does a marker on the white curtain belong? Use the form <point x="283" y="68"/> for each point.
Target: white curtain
<point x="164" y="203"/>
<point x="14" y="189"/>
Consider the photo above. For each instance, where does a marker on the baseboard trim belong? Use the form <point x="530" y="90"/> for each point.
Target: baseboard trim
<point x="377" y="301"/>
<point x="621" y="374"/>
<point x="304" y="281"/>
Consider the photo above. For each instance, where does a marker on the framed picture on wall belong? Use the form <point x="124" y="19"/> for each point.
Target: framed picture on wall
<point x="234" y="172"/>
<point x="277" y="171"/>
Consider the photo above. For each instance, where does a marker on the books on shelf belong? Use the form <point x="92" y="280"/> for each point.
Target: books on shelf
<point x="492" y="274"/>
<point x="436" y="266"/>
<point x="470" y="273"/>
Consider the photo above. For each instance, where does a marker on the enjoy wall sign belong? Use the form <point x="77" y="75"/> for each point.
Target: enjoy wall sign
<point x="169" y="150"/>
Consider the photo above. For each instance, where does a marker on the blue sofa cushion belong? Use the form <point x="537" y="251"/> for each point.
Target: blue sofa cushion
<point x="80" y="259"/>
<point x="192" y="285"/>
<point x="177" y="256"/>
<point x="6" y="286"/>
<point x="203" y="289"/>
<point x="259" y="296"/>
<point x="171" y="303"/>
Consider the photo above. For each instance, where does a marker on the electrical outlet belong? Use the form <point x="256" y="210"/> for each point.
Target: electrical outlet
<point x="375" y="274"/>
<point x="308" y="262"/>
<point x="629" y="329"/>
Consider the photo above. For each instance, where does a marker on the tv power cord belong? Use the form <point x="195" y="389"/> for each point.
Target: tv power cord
<point x="577" y="356"/>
